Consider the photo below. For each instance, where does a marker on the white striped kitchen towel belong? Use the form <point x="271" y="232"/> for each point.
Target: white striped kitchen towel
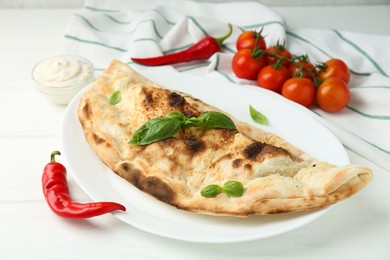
<point x="118" y="29"/>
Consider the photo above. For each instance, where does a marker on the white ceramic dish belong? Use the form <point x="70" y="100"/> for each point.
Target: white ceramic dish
<point x="146" y="213"/>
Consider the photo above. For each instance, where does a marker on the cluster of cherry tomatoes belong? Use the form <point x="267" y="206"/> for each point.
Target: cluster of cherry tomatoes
<point x="294" y="77"/>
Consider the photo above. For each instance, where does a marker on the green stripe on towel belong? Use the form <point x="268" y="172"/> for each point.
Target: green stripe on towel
<point x="380" y="117"/>
<point x="163" y="17"/>
<point x="362" y="52"/>
<point x="382" y="87"/>
<point x="246" y="27"/>
<point x="147" y="21"/>
<point x="145" y="39"/>
<point x="364" y="140"/>
<point x="88" y="22"/>
<point x="94" y="43"/>
<point x="194" y="67"/>
<point x="216" y="68"/>
<point x="127" y="22"/>
<point x="379" y="148"/>
<point x="100" y="10"/>
<point x="373" y="145"/>
<point x="308" y="42"/>
<point x="116" y="20"/>
<point x="178" y="48"/>
<point x="224" y="47"/>
<point x="198" y="25"/>
<point x="322" y="51"/>
<point x="135" y="28"/>
<point x="226" y="76"/>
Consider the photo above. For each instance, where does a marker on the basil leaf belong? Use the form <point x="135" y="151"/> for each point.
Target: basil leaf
<point x="211" y="190"/>
<point x="214" y="119"/>
<point x="233" y="188"/>
<point x="193" y="121"/>
<point x="257" y="116"/>
<point x="161" y="128"/>
<point x="115" y="97"/>
<point x="155" y="130"/>
<point x="177" y="115"/>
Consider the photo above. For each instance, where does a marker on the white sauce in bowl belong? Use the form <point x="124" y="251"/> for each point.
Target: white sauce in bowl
<point x="62" y="71"/>
<point x="60" y="78"/>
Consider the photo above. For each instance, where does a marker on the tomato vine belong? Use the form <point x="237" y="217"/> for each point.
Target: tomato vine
<point x="294" y="77"/>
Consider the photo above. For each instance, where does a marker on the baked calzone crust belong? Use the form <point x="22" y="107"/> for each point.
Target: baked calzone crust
<point x="277" y="177"/>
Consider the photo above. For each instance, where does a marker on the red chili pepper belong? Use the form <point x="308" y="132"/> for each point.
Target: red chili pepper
<point x="55" y="189"/>
<point x="201" y="50"/>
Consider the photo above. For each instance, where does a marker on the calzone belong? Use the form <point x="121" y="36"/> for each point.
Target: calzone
<point x="276" y="176"/>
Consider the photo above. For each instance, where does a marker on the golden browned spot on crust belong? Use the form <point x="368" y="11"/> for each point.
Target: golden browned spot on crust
<point x="191" y="145"/>
<point x="148" y="100"/>
<point x="248" y="166"/>
<point x="236" y="163"/>
<point x="123" y="125"/>
<point x="86" y="111"/>
<point x="228" y="134"/>
<point x="253" y="150"/>
<point x="150" y="184"/>
<point x="190" y="113"/>
<point x="176" y="100"/>
<point x="166" y="142"/>
<point x="98" y="139"/>
<point x="277" y="211"/>
<point x="274" y="151"/>
<point x="158" y="189"/>
<point x="259" y="151"/>
<point x="125" y="166"/>
<point x="194" y="145"/>
<point x="337" y="195"/>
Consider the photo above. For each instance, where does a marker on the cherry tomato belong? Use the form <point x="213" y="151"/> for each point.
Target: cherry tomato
<point x="273" y="78"/>
<point x="250" y="39"/>
<point x="300" y="90"/>
<point x="305" y="74"/>
<point x="281" y="50"/>
<point x="335" y="68"/>
<point x="246" y="66"/>
<point x="333" y="95"/>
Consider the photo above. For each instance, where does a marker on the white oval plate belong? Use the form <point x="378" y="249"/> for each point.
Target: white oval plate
<point x="287" y="120"/>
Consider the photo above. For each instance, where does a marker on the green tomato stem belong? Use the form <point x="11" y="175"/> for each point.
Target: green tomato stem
<point x="316" y="80"/>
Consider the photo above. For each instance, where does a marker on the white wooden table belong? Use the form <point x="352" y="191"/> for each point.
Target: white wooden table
<point x="358" y="228"/>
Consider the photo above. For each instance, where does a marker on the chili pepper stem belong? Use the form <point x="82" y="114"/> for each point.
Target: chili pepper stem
<point x="222" y="38"/>
<point x="53" y="154"/>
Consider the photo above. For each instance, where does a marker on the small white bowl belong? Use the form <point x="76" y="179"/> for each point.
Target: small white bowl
<point x="60" y="78"/>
